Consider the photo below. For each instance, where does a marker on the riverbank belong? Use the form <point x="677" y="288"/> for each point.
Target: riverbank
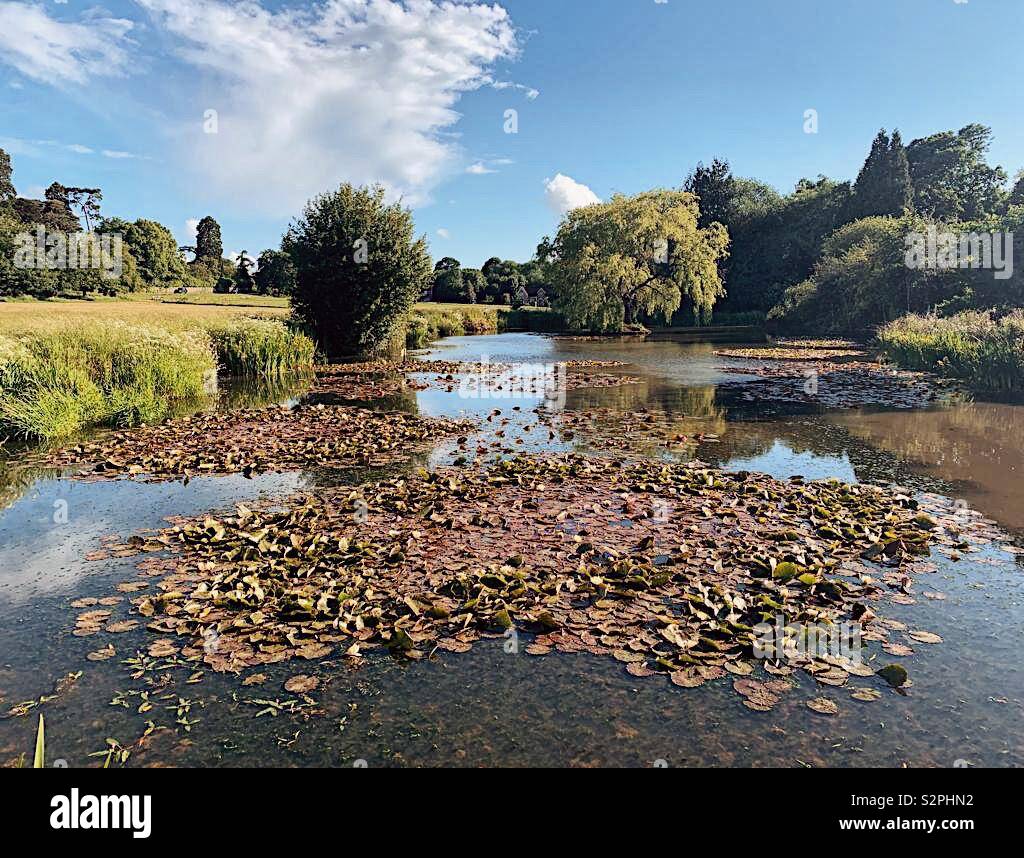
<point x="59" y="375"/>
<point x="987" y="355"/>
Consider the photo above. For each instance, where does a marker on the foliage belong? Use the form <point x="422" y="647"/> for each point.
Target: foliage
<point x="359" y="268"/>
<point x="55" y="382"/>
<point x="449" y="285"/>
<point x="614" y="262"/>
<point x="7" y="192"/>
<point x="985" y="352"/>
<point x="715" y="189"/>
<point x="951" y="179"/>
<point x="209" y="246"/>
<point x="883" y="186"/>
<point x="276" y="273"/>
<point x="261" y="347"/>
<point x="243" y="279"/>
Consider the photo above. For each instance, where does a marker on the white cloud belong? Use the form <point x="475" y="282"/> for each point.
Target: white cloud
<point x="479" y="169"/>
<point x="79" y="149"/>
<point x="118" y="155"/>
<point x="445" y="234"/>
<point x="528" y="91"/>
<point x="191" y="229"/>
<point x="350" y="90"/>
<point x="62" y="52"/>
<point x="564" y="194"/>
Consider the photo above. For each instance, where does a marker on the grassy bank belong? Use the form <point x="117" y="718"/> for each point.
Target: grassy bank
<point x="65" y="366"/>
<point x="987" y="355"/>
<point x="57" y="381"/>
<point x="429" y="322"/>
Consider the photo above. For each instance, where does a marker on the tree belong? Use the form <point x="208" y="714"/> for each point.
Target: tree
<point x="276" y="273"/>
<point x="714" y="188"/>
<point x="449" y="284"/>
<point x="950" y="177"/>
<point x="474" y="284"/>
<point x="359" y="269"/>
<point x="244" y="283"/>
<point x="87" y="201"/>
<point x="636" y="257"/>
<point x="503" y="278"/>
<point x="7" y="192"/>
<point x="209" y="246"/>
<point x="154" y="248"/>
<point x="1016" y="197"/>
<point x="883" y="185"/>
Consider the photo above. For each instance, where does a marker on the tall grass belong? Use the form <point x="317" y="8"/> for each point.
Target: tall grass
<point x="261" y="347"/>
<point x="986" y="353"/>
<point x="430" y="322"/>
<point x="56" y="380"/>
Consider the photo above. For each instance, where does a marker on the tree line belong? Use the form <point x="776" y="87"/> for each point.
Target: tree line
<point x="831" y="256"/>
<point x="150" y="255"/>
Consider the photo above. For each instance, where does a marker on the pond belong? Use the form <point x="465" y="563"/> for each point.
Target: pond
<point x="492" y="707"/>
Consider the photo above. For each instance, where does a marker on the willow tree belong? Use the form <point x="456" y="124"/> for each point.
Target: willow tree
<point x="635" y="257"/>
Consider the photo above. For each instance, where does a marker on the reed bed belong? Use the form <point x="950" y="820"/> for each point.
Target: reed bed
<point x="984" y="352"/>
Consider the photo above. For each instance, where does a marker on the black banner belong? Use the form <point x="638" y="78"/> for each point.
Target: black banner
<point x="244" y="806"/>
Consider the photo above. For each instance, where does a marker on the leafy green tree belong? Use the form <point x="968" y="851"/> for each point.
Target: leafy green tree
<point x="503" y="278"/>
<point x="209" y="245"/>
<point x="633" y="257"/>
<point x="243" y="279"/>
<point x="951" y="178"/>
<point x="883" y="186"/>
<point x="359" y="269"/>
<point x="276" y="273"/>
<point x="474" y="283"/>
<point x="154" y="249"/>
<point x="449" y="286"/>
<point x="7" y="192"/>
<point x="715" y="188"/>
<point x="87" y="201"/>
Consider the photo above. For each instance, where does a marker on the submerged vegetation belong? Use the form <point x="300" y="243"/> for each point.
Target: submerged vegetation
<point x="986" y="353"/>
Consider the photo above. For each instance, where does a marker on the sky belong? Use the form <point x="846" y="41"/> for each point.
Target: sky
<point x="489" y="120"/>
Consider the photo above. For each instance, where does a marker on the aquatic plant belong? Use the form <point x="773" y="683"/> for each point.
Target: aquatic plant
<point x="261" y="347"/>
<point x="986" y="353"/>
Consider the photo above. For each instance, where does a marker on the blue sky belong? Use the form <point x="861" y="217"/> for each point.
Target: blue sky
<point x="610" y="95"/>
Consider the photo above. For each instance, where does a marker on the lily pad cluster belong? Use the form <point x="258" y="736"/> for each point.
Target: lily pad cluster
<point x="831" y="384"/>
<point x="666" y="568"/>
<point x="256" y="441"/>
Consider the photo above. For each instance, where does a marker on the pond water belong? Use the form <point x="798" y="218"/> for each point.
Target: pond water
<point x="490" y="707"/>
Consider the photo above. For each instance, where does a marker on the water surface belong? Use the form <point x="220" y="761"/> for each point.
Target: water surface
<point x="491" y="707"/>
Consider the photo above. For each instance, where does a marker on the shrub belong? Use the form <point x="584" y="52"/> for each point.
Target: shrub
<point x="359" y="270"/>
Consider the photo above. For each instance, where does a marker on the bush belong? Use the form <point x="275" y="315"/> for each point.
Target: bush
<point x="358" y="269"/>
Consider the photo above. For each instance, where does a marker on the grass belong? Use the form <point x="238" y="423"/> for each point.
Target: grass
<point x="65" y="366"/>
<point x="54" y="382"/>
<point x="987" y="354"/>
